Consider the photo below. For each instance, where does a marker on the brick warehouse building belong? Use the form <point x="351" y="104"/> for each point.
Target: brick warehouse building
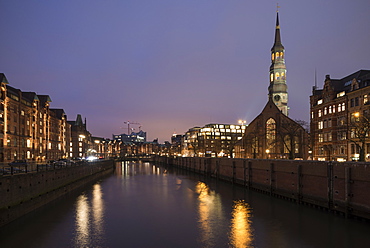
<point x="339" y="118"/>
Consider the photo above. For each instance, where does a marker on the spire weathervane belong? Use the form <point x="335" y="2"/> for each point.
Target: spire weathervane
<point x="277" y="7"/>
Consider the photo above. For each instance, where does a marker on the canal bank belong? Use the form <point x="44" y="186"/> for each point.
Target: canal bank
<point x="23" y="193"/>
<point x="337" y="187"/>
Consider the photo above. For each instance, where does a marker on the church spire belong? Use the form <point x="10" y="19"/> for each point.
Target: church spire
<point x="277" y="42"/>
<point x="278" y="90"/>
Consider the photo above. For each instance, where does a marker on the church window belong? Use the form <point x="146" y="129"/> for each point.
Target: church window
<point x="273" y="56"/>
<point x="282" y="55"/>
<point x="270" y="132"/>
<point x="272" y="77"/>
<point x="277" y="55"/>
<point x="277" y="76"/>
<point x="283" y="75"/>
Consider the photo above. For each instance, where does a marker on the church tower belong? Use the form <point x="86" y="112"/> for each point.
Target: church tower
<point x="278" y="90"/>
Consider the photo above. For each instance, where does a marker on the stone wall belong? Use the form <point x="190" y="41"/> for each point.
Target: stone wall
<point x="23" y="193"/>
<point x="335" y="186"/>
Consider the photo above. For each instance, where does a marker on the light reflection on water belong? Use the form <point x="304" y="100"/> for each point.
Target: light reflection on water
<point x="144" y="205"/>
<point x="89" y="218"/>
<point x="241" y="225"/>
<point x="210" y="214"/>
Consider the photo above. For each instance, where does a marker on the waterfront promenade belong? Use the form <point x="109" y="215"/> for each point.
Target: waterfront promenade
<point x="30" y="187"/>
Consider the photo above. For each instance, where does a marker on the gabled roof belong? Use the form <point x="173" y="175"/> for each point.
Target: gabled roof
<point x="58" y="112"/>
<point x="44" y="99"/>
<point x="3" y="79"/>
<point x="30" y="96"/>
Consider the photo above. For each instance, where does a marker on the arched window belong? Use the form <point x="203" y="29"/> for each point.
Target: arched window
<point x="277" y="76"/>
<point x="272" y="77"/>
<point x="273" y="56"/>
<point x="270" y="133"/>
<point x="282" y="55"/>
<point x="277" y="55"/>
<point x="283" y="75"/>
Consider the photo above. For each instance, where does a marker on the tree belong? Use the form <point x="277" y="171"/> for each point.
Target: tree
<point x="359" y="128"/>
<point x="290" y="133"/>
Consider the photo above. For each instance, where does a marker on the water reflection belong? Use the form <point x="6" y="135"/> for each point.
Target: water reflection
<point x="241" y="230"/>
<point x="210" y="214"/>
<point x="82" y="221"/>
<point x="89" y="220"/>
<point x="98" y="211"/>
<point x="129" y="169"/>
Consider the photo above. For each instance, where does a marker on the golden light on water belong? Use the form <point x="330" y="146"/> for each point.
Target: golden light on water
<point x="82" y="221"/>
<point x="241" y="232"/>
<point x="98" y="210"/>
<point x="210" y="213"/>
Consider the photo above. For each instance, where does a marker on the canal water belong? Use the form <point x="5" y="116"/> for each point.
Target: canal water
<point x="144" y="205"/>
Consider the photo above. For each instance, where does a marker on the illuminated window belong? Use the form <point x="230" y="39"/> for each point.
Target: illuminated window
<point x="325" y="110"/>
<point x="312" y="115"/>
<point x="277" y="55"/>
<point x="272" y="77"/>
<point x="272" y="56"/>
<point x="343" y="106"/>
<point x="270" y="131"/>
<point x="277" y="76"/>
<point x="319" y="113"/>
<point x="319" y="102"/>
<point x="282" y="75"/>
<point x="339" y="107"/>
<point x="320" y="125"/>
<point x="365" y="99"/>
<point x="320" y="136"/>
<point x="330" y="110"/>
<point x="282" y="55"/>
<point x="333" y="108"/>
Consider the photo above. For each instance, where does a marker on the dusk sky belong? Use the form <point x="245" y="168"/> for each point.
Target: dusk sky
<point x="171" y="65"/>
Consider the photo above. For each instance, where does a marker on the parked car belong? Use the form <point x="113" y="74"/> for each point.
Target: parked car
<point x="18" y="163"/>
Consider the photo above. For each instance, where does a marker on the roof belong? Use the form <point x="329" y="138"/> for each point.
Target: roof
<point x="58" y="112"/>
<point x="344" y="84"/>
<point x="3" y="79"/>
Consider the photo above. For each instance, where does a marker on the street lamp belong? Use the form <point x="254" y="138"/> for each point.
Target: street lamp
<point x="242" y="122"/>
<point x="268" y="153"/>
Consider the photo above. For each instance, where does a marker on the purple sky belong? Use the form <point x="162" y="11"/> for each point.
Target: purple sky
<point x="173" y="64"/>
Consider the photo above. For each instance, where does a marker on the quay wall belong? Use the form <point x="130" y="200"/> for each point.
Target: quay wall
<point x="23" y="193"/>
<point x="341" y="187"/>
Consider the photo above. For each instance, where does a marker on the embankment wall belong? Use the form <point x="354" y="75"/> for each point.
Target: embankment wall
<point x="335" y="186"/>
<point x="23" y="193"/>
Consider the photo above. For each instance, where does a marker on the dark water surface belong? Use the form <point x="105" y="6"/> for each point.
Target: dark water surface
<point x="143" y="205"/>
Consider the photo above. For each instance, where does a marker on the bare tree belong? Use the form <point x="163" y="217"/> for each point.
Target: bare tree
<point x="359" y="128"/>
<point x="290" y="133"/>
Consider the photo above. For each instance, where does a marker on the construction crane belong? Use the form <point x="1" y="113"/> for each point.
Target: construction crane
<point x="128" y="126"/>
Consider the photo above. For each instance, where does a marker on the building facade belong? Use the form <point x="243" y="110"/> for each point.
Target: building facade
<point x="212" y="140"/>
<point x="273" y="135"/>
<point x="340" y="113"/>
